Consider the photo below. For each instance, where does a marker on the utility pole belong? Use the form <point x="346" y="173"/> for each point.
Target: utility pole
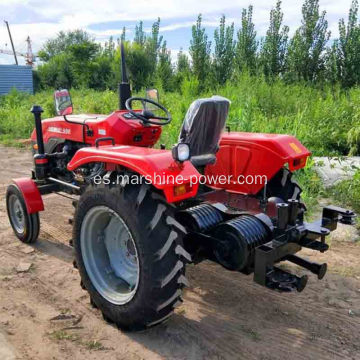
<point x="11" y="40"/>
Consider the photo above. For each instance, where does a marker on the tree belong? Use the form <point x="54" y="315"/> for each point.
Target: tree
<point x="331" y="64"/>
<point x="183" y="64"/>
<point x="57" y="73"/>
<point x="274" y="48"/>
<point x="109" y="48"/>
<point x="348" y="48"/>
<point x="123" y="34"/>
<point x="68" y="60"/>
<point x="139" y="64"/>
<point x="306" y="58"/>
<point x="224" y="52"/>
<point x="183" y="69"/>
<point x="165" y="71"/>
<point x="140" y="35"/>
<point x="153" y="44"/>
<point x="63" y="41"/>
<point x="247" y="45"/>
<point x="200" y="49"/>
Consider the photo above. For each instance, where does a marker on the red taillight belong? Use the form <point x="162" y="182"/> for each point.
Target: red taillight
<point x="299" y="163"/>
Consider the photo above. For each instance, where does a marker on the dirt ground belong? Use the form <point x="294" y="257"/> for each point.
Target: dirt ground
<point x="44" y="314"/>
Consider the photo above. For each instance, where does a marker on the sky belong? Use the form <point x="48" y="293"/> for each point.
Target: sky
<point x="43" y="19"/>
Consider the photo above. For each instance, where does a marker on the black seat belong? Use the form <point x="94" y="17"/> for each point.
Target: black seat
<point x="202" y="127"/>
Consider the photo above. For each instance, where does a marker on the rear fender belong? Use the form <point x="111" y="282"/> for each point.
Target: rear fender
<point x="31" y="194"/>
<point x="251" y="157"/>
<point x="157" y="167"/>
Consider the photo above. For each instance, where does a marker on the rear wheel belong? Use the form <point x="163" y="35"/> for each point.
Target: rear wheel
<point x="283" y="186"/>
<point x="129" y="253"/>
<point x="26" y="226"/>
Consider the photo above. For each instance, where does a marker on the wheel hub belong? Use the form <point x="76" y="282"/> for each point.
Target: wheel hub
<point x="17" y="213"/>
<point x="110" y="255"/>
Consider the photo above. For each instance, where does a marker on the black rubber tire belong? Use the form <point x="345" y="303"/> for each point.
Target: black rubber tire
<point x="162" y="258"/>
<point x="283" y="186"/>
<point x="32" y="222"/>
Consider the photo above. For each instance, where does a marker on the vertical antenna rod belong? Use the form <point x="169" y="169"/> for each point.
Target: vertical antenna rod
<point x="11" y="40"/>
<point x="124" y="86"/>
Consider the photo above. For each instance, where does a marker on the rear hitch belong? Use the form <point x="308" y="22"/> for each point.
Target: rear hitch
<point x="334" y="214"/>
<point x="290" y="237"/>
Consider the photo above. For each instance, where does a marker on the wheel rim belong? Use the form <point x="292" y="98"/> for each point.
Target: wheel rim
<point x="17" y="214"/>
<point x="110" y="255"/>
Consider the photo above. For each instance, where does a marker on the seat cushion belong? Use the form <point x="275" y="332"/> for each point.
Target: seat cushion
<point x="202" y="160"/>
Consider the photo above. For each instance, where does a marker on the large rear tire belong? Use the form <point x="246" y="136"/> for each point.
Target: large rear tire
<point x="129" y="254"/>
<point x="25" y="226"/>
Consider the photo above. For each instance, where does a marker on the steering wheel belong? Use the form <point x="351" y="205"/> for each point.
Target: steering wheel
<point x="147" y="116"/>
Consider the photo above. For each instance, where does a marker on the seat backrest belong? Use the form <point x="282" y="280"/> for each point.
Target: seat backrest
<point x="203" y="124"/>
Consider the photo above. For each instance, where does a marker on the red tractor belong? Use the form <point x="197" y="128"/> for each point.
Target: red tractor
<point x="143" y="213"/>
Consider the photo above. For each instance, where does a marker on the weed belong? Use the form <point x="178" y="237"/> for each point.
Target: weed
<point x="63" y="335"/>
<point x="94" y="345"/>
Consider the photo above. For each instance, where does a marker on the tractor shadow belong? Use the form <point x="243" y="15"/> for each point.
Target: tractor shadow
<point x="226" y="316"/>
<point x="213" y="322"/>
<point x="56" y="249"/>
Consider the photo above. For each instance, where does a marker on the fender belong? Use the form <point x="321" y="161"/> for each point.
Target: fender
<point x="251" y="154"/>
<point x="157" y="166"/>
<point x="31" y="194"/>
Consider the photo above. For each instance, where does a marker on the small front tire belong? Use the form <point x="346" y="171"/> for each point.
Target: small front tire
<point x="25" y="226"/>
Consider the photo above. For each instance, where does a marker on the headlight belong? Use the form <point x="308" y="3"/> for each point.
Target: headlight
<point x="181" y="152"/>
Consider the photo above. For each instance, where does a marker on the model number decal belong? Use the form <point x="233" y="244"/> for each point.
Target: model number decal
<point x="59" y="130"/>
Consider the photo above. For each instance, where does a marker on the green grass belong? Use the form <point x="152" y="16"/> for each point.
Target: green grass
<point x="325" y="120"/>
<point x="63" y="335"/>
<point x="347" y="193"/>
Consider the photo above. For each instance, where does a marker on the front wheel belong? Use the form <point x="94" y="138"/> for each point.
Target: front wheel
<point x="26" y="226"/>
<point x="129" y="254"/>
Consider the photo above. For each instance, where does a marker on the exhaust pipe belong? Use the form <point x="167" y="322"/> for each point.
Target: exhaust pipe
<point x="40" y="159"/>
<point x="37" y="110"/>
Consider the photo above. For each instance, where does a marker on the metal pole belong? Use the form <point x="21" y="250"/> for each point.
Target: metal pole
<point x="12" y="44"/>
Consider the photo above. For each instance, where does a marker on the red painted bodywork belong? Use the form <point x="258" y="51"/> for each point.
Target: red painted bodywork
<point x="255" y="154"/>
<point x="157" y="166"/>
<point x="124" y="131"/>
<point x="240" y="153"/>
<point x="31" y="195"/>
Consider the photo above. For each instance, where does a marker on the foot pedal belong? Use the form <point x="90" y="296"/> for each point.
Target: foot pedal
<point x="277" y="279"/>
